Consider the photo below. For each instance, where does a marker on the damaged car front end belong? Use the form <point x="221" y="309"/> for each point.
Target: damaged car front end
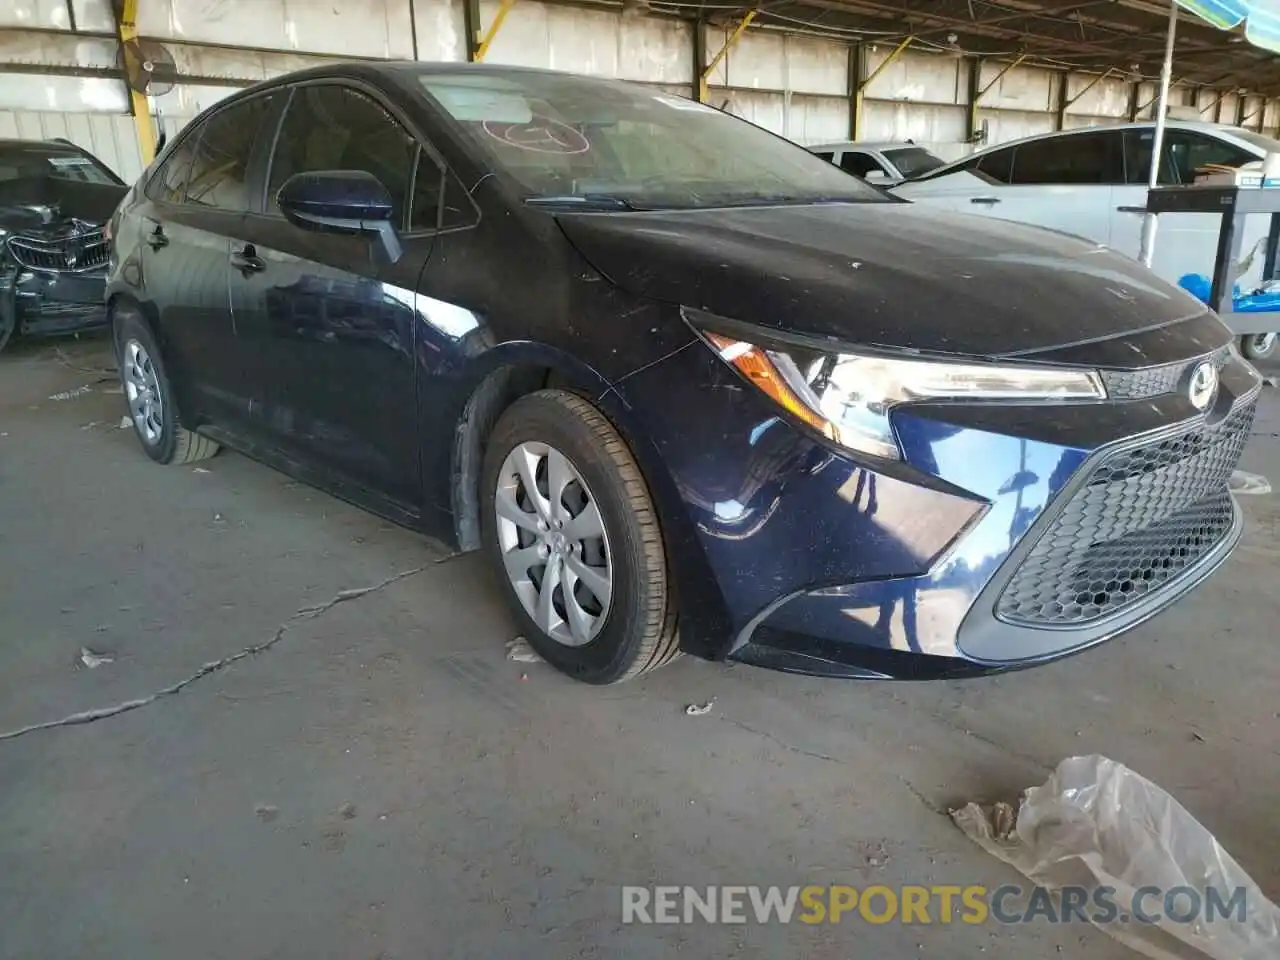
<point x="54" y="202"/>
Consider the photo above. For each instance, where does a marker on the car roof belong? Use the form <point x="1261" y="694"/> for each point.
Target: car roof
<point x="1203" y="126"/>
<point x="863" y="145"/>
<point x="11" y="142"/>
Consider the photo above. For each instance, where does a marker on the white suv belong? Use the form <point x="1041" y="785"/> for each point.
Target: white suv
<point x="1093" y="182"/>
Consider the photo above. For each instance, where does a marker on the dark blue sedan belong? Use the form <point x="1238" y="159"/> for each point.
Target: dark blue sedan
<point x="690" y="387"/>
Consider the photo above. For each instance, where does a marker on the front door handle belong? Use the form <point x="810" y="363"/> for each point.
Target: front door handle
<point x="156" y="238"/>
<point x="247" y="260"/>
<point x="1132" y="209"/>
<point x="985" y="200"/>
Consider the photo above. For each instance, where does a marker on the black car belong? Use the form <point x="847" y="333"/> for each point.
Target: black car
<point x="54" y="200"/>
<point x="690" y="386"/>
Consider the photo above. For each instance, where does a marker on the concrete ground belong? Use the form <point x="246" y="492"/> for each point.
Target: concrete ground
<point x="381" y="782"/>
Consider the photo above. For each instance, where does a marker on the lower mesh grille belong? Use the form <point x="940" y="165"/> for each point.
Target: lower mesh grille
<point x="1144" y="516"/>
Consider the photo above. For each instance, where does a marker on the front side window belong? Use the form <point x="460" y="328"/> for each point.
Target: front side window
<point x="1075" y="160"/>
<point x="220" y="162"/>
<point x="38" y="161"/>
<point x="570" y="137"/>
<point x="331" y="127"/>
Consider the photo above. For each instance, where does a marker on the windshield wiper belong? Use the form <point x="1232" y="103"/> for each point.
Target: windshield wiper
<point x="598" y="201"/>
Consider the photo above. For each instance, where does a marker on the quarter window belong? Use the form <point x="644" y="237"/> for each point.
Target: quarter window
<point x="331" y="127"/>
<point x="221" y="163"/>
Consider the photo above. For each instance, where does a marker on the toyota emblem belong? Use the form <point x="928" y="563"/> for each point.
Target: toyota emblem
<point x="1204" y="384"/>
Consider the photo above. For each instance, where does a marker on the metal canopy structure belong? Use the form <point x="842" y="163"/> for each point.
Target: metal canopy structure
<point x="1121" y="37"/>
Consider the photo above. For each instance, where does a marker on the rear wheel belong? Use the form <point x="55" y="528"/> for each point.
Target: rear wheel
<point x="573" y="537"/>
<point x="150" y="397"/>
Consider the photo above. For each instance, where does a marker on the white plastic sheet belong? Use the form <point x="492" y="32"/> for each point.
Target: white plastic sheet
<point x="1097" y="823"/>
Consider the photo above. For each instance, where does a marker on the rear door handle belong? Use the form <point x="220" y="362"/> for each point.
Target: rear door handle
<point x="986" y="200"/>
<point x="247" y="260"/>
<point x="156" y="238"/>
<point x="1132" y="209"/>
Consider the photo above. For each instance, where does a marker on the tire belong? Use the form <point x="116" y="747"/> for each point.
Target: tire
<point x="635" y="631"/>
<point x="160" y="430"/>
<point x="1258" y="346"/>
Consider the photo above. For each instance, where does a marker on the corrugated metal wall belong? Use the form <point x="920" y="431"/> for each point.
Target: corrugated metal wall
<point x="794" y="85"/>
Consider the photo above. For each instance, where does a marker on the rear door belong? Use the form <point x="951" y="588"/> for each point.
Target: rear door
<point x="193" y="207"/>
<point x="335" y="326"/>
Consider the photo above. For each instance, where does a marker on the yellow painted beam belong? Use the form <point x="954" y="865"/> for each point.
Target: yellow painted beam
<point x="860" y="89"/>
<point x="144" y="127"/>
<point x="483" y="46"/>
<point x="723" y="52"/>
<point x="1000" y="76"/>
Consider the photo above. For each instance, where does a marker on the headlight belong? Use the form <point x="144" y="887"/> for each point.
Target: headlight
<point x="848" y="396"/>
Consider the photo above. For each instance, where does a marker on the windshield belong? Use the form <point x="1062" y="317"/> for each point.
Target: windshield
<point x="573" y="138"/>
<point x="40" y="162"/>
<point x="913" y="161"/>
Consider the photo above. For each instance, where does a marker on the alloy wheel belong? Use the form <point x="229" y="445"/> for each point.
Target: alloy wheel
<point x="142" y="389"/>
<point x="553" y="542"/>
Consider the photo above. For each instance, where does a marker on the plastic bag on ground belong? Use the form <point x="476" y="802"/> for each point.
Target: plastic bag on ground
<point x="1097" y="823"/>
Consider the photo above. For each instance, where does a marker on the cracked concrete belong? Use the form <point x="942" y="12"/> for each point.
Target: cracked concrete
<point x="385" y="784"/>
<point x="213" y="666"/>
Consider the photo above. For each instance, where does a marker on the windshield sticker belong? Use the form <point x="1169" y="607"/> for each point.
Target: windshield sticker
<point x="61" y="162"/>
<point x="539" y="135"/>
<point x="679" y="103"/>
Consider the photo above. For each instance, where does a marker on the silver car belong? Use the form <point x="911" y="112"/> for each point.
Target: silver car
<point x="882" y="163"/>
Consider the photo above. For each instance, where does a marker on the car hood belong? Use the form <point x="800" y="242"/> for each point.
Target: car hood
<point x="884" y="274"/>
<point x="47" y="207"/>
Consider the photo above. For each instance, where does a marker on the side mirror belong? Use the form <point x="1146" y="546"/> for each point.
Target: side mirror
<point x="351" y="202"/>
<point x="877" y="176"/>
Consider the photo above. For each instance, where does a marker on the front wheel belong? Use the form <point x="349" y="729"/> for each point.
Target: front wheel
<point x="574" y="539"/>
<point x="1258" y="346"/>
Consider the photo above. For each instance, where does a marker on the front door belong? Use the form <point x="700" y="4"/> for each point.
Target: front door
<point x="335" y="326"/>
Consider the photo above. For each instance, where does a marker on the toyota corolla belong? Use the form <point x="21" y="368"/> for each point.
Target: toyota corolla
<point x="690" y="387"/>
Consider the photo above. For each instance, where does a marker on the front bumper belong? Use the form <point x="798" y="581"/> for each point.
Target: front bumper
<point x="1012" y="536"/>
<point x="50" y="302"/>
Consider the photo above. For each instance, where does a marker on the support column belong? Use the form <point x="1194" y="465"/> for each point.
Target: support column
<point x="733" y="38"/>
<point x="860" y="93"/>
<point x="126" y="13"/>
<point x="482" y="46"/>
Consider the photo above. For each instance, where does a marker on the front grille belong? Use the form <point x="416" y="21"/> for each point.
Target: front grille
<point x="85" y="252"/>
<point x="1154" y="381"/>
<point x="1143" y="517"/>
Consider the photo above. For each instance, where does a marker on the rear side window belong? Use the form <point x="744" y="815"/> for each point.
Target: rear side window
<point x="826" y="155"/>
<point x="1089" y="158"/>
<point x="220" y="167"/>
<point x="1189" y="151"/>
<point x="1137" y="159"/>
<point x="332" y="127"/>
<point x="859" y="164"/>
